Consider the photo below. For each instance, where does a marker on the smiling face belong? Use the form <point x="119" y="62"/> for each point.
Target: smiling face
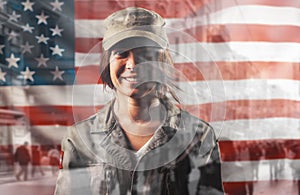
<point x="133" y="72"/>
<point x="135" y="65"/>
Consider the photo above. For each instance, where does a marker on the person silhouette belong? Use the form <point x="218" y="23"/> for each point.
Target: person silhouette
<point x="141" y="142"/>
<point x="22" y="157"/>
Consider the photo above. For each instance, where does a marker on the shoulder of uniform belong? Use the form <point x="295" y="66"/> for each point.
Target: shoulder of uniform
<point x="196" y="123"/>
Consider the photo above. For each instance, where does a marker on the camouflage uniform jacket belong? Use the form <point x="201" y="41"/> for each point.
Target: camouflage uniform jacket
<point x="98" y="158"/>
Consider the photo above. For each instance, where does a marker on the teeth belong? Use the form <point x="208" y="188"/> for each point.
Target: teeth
<point x="131" y="79"/>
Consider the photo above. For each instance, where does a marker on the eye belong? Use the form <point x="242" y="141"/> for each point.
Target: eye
<point x="147" y="53"/>
<point x="120" y="53"/>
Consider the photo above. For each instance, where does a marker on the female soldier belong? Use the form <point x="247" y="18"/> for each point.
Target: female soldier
<point x="141" y="142"/>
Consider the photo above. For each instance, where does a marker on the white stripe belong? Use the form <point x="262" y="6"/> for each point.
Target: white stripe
<point x="86" y="59"/>
<point x="228" y="52"/>
<point x="236" y="51"/>
<point x="258" y="129"/>
<point x="54" y="95"/>
<point x="49" y="134"/>
<point x="212" y="91"/>
<point x="248" y="14"/>
<point x="53" y="134"/>
<point x="96" y="27"/>
<point x="243" y="170"/>
<point x="193" y="93"/>
<point x="235" y="130"/>
<point x="89" y="28"/>
<point x="254" y="14"/>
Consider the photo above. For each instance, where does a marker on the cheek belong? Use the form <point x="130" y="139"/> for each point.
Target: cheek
<point x="116" y="69"/>
<point x="112" y="71"/>
<point x="112" y="66"/>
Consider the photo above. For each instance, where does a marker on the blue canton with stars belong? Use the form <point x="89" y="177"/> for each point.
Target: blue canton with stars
<point x="37" y="42"/>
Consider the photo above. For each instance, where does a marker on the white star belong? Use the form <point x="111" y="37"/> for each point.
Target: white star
<point x="14" y="17"/>
<point x="26" y="48"/>
<point x="42" y="61"/>
<point x="2" y="3"/>
<point x="2" y="75"/>
<point x="42" y="18"/>
<point x="56" y="31"/>
<point x="1" y="48"/>
<point x="57" y="5"/>
<point x="27" y="5"/>
<point x="57" y="74"/>
<point x="56" y="50"/>
<point x="12" y="35"/>
<point x="28" y="74"/>
<point x="12" y="61"/>
<point x="27" y="28"/>
<point x="42" y="39"/>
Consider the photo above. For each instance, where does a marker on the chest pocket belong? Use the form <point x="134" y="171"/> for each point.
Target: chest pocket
<point x="103" y="179"/>
<point x="177" y="177"/>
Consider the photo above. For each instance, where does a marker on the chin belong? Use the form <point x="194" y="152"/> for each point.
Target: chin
<point x="138" y="94"/>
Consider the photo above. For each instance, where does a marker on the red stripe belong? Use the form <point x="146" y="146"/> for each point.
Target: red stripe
<point x="239" y="70"/>
<point x="219" y="4"/>
<point x="266" y="33"/>
<point x="236" y="32"/>
<point x="88" y="45"/>
<point x="56" y="115"/>
<point x="262" y="187"/>
<point x="270" y="149"/>
<point x="88" y="75"/>
<point x="168" y="9"/>
<point x="200" y="71"/>
<point x="213" y="34"/>
<point x="246" y="109"/>
<point x="240" y="109"/>
<point x="236" y="188"/>
<point x="246" y="32"/>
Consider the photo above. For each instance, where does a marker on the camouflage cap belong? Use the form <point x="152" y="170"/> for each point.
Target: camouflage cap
<point x="134" y="22"/>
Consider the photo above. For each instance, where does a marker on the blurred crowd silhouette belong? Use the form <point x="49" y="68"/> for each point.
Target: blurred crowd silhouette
<point x="248" y="157"/>
<point x="30" y="161"/>
<point x="280" y="157"/>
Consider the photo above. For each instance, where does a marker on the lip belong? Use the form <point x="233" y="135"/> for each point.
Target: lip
<point x="130" y="79"/>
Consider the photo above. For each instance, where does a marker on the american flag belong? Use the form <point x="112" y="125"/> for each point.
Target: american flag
<point x="251" y="55"/>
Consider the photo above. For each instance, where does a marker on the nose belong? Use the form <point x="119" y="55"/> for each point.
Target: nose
<point x="130" y="63"/>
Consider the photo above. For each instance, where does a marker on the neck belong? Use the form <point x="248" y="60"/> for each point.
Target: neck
<point x="139" y="118"/>
<point x="138" y="109"/>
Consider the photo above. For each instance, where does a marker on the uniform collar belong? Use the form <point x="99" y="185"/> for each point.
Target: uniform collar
<point x="106" y="120"/>
<point x="108" y="133"/>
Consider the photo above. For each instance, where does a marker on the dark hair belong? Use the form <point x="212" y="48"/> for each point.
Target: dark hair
<point x="166" y="66"/>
